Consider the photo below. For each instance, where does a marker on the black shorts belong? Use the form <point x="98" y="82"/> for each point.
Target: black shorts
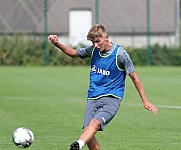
<point x="102" y="109"/>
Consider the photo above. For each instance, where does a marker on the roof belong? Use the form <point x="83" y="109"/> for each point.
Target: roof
<point x="119" y="16"/>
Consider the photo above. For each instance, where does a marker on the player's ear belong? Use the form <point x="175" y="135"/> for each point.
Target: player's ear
<point x="106" y="36"/>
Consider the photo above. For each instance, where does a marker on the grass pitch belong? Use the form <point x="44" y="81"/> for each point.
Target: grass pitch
<point x="51" y="101"/>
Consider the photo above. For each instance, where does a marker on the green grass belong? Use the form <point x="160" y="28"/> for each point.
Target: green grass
<point x="51" y="101"/>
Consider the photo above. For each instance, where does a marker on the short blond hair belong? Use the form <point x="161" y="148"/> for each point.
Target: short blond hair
<point x="96" y="31"/>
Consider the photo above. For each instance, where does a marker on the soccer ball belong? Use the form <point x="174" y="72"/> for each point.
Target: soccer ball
<point x="23" y="137"/>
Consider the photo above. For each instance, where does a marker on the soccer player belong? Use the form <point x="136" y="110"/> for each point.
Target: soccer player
<point x="110" y="63"/>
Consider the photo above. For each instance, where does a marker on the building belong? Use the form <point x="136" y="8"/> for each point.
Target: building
<point x="129" y="23"/>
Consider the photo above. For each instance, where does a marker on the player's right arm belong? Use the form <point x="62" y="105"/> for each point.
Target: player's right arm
<point x="67" y="50"/>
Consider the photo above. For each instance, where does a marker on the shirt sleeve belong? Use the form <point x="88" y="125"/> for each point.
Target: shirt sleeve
<point x="85" y="52"/>
<point x="124" y="61"/>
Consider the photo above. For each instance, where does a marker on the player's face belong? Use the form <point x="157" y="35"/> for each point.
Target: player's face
<point x="100" y="43"/>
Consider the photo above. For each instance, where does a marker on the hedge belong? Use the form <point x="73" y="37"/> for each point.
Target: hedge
<point x="29" y="51"/>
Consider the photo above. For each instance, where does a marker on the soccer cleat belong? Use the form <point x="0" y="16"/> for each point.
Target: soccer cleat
<point x="74" y="146"/>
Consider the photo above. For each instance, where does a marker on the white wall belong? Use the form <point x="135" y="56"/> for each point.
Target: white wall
<point x="141" y="41"/>
<point x="129" y="41"/>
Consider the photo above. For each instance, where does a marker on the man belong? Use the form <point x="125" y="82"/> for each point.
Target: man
<point x="110" y="64"/>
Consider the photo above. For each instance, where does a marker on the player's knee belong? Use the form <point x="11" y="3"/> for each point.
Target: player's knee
<point x="94" y="124"/>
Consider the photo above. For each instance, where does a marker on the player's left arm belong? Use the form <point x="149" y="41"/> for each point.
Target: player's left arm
<point x="137" y="82"/>
<point x="125" y="62"/>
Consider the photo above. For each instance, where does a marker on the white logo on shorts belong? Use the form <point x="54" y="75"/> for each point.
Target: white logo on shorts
<point x="103" y="119"/>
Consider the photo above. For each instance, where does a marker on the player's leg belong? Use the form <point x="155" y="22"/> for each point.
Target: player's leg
<point x="93" y="144"/>
<point x="88" y="137"/>
<point x="89" y="126"/>
<point x="107" y="108"/>
<point x="90" y="131"/>
<point x="97" y="115"/>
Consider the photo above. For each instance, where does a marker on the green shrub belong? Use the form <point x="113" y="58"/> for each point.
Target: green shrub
<point x="30" y="51"/>
<point x="160" y="55"/>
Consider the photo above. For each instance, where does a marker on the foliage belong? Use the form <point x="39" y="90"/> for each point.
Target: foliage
<point x="30" y="51"/>
<point x="160" y="55"/>
<point x="21" y="50"/>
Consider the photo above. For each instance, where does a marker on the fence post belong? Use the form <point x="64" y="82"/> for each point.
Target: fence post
<point x="148" y="57"/>
<point x="177" y="23"/>
<point x="45" y="32"/>
<point x="97" y="11"/>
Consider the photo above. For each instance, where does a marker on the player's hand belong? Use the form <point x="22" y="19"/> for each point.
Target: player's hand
<point x="53" y="39"/>
<point x="150" y="107"/>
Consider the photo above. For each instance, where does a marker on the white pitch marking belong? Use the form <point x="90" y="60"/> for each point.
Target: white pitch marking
<point x="158" y="106"/>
